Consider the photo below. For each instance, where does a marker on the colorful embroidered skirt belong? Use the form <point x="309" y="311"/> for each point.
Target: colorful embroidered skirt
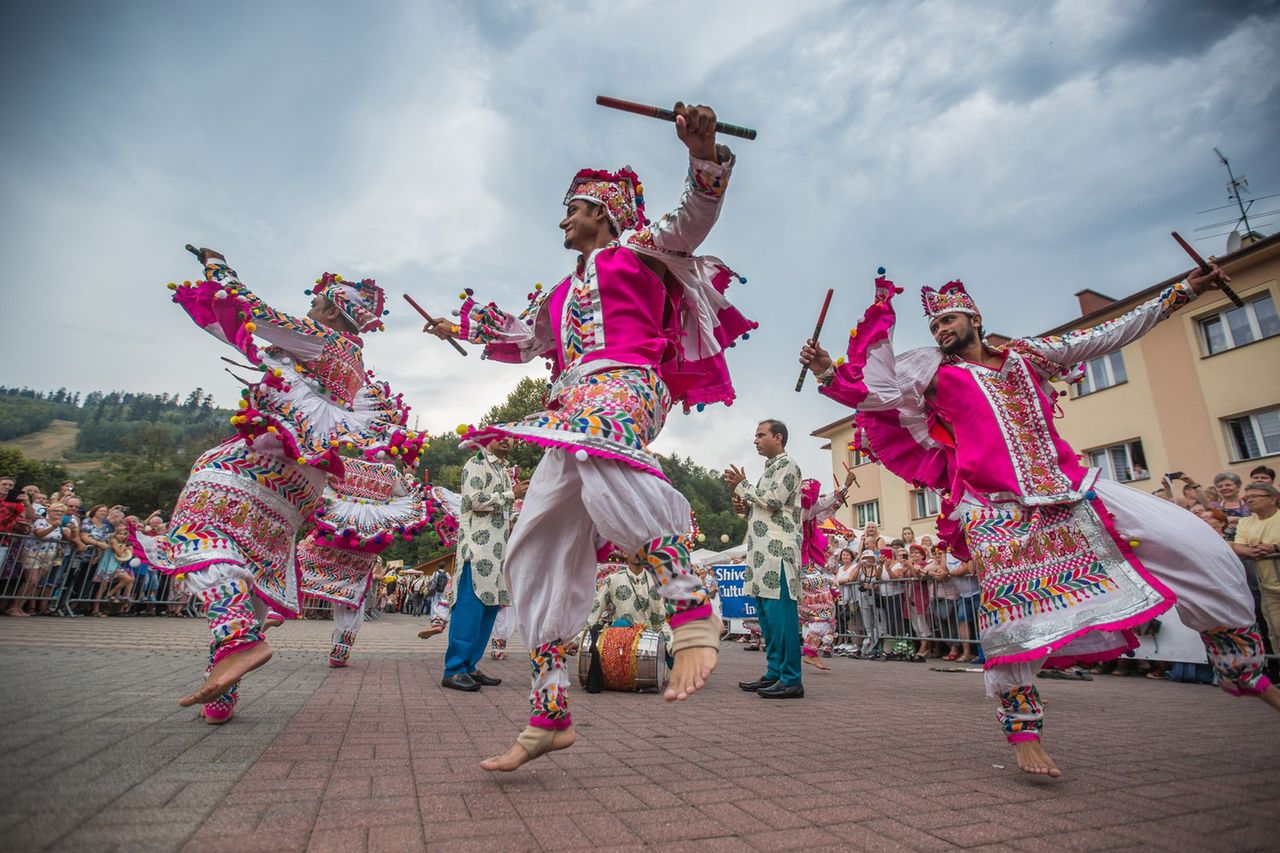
<point x="613" y="414"/>
<point x="243" y="505"/>
<point x="1057" y="581"/>
<point x="339" y="575"/>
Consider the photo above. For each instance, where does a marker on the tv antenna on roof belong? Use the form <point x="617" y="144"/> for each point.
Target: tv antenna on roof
<point x="1237" y="189"/>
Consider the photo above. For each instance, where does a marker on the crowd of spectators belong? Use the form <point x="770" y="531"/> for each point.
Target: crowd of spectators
<point x="908" y="599"/>
<point x="58" y="560"/>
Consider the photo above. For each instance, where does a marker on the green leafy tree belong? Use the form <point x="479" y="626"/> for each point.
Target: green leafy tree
<point x="25" y="472"/>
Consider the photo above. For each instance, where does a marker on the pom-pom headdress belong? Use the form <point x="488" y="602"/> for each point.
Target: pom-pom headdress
<point x="361" y="302"/>
<point x="951" y="298"/>
<point x="620" y="192"/>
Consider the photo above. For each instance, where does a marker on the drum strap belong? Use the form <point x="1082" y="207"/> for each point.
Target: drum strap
<point x="595" y="672"/>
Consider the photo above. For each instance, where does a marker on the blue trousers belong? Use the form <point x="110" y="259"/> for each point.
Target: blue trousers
<point x="780" y="628"/>
<point x="470" y="624"/>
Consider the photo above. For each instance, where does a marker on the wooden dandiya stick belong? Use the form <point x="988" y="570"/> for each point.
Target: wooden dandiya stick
<point x="849" y="470"/>
<point x="669" y="115"/>
<point x="1205" y="268"/>
<point x="433" y="321"/>
<point x="817" y="330"/>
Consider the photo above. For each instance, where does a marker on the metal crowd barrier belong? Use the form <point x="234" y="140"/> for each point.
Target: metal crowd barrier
<point x="51" y="577"/>
<point x="873" y="616"/>
<point x="31" y="572"/>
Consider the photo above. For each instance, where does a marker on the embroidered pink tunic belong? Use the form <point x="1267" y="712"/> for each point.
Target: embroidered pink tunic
<point x="1052" y="566"/>
<point x="622" y="343"/>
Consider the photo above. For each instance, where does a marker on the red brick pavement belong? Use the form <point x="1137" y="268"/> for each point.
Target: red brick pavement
<point x="877" y="757"/>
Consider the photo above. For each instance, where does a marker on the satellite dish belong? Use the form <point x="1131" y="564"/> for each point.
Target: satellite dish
<point x="1233" y="241"/>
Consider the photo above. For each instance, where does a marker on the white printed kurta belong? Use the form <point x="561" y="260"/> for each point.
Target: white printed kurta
<point x="773" y="529"/>
<point x="485" y="518"/>
<point x="624" y="594"/>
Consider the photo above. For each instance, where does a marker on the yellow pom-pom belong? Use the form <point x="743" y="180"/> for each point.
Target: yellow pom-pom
<point x="455" y="328"/>
<point x="337" y="278"/>
<point x="302" y="460"/>
<point x="297" y="368"/>
<point x="348" y="446"/>
<point x="411" y="436"/>
<point x="839" y="360"/>
<point x="251" y="327"/>
<point x="853" y="333"/>
<point x="277" y="372"/>
<point x="271" y="429"/>
<point x="462" y="295"/>
<point x="461" y="429"/>
<point x="538" y="286"/>
<point x="244" y="404"/>
<point x="1134" y="543"/>
<point x="333" y="442"/>
<point x="172" y="285"/>
<point x="186" y="284"/>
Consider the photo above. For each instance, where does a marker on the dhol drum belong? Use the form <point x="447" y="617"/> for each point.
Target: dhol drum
<point x="632" y="659"/>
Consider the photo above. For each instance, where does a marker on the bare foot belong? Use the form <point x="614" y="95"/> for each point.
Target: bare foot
<point x="692" y="669"/>
<point x="517" y="755"/>
<point x="1033" y="759"/>
<point x="1271" y="696"/>
<point x="227" y="672"/>
<point x="428" y="633"/>
<point x="273" y="620"/>
<point x="815" y="662"/>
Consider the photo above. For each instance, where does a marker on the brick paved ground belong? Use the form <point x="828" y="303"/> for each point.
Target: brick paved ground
<point x="96" y="756"/>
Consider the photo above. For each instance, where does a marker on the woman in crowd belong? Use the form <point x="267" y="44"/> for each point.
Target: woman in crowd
<point x="917" y="598"/>
<point x="908" y="536"/>
<point x="869" y="605"/>
<point x="39" y="556"/>
<point x="892" y="570"/>
<point x="847" y="584"/>
<point x="1227" y="485"/>
<point x="871" y="538"/>
<point x="95" y="535"/>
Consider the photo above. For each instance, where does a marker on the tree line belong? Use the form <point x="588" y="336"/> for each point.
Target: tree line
<point x="146" y="443"/>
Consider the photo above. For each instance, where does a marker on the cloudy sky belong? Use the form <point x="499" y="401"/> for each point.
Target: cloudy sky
<point x="1031" y="149"/>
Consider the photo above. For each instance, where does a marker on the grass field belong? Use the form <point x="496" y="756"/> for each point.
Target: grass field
<point x="50" y="443"/>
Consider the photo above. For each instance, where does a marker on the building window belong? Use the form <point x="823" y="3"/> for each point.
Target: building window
<point x="1123" y="463"/>
<point x="867" y="512"/>
<point x="1239" y="326"/>
<point x="857" y="457"/>
<point x="1256" y="435"/>
<point x="1102" y="372"/>
<point x="924" y="503"/>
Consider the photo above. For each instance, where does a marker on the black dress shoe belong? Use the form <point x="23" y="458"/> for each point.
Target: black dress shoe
<point x="783" y="691"/>
<point x="484" y="680"/>
<point x="759" y="683"/>
<point x="461" y="681"/>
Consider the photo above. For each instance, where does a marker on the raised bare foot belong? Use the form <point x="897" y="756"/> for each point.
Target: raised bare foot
<point x="693" y="666"/>
<point x="517" y="755"/>
<point x="1033" y="759"/>
<point x="227" y="672"/>
<point x="1271" y="696"/>
<point x="273" y="620"/>
<point x="428" y="633"/>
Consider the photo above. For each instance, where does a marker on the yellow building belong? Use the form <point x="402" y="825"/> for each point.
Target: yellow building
<point x="1199" y="394"/>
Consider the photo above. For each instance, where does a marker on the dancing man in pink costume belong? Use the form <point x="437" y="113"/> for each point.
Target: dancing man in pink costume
<point x="1068" y="562"/>
<point x="640" y="325"/>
